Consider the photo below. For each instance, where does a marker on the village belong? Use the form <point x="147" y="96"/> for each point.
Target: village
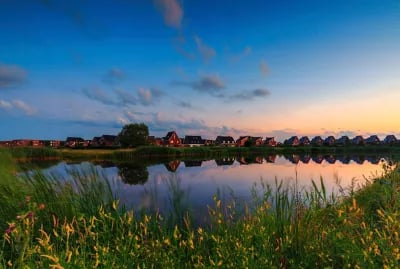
<point x="173" y="140"/>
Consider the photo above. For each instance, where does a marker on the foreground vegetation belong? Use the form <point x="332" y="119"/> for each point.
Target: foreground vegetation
<point x="49" y="222"/>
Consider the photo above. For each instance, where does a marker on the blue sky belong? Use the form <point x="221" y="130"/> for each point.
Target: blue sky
<point x="269" y="68"/>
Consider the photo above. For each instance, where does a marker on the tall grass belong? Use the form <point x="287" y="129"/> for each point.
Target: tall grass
<point x="285" y="227"/>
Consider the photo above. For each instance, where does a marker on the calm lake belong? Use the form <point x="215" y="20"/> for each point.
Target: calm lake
<point x="193" y="183"/>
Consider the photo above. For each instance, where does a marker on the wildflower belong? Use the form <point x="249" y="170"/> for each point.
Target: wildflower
<point x="41" y="206"/>
<point x="10" y="228"/>
<point x="28" y="198"/>
<point x="30" y="215"/>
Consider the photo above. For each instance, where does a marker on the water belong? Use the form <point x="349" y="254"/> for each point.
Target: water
<point x="192" y="184"/>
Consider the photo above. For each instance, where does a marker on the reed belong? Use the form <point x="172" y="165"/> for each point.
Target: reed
<point x="69" y="224"/>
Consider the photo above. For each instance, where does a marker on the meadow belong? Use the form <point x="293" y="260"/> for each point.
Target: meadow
<point x="48" y="223"/>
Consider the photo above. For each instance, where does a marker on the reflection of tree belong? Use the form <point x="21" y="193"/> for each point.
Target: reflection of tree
<point x="133" y="173"/>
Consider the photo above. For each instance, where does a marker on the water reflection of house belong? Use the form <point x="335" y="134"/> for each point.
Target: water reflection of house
<point x="373" y="140"/>
<point x="358" y="159"/>
<point x="304" y="141"/>
<point x="270" y="158"/>
<point x="317" y="141"/>
<point x="292" y="141"/>
<point x="390" y="140"/>
<point x="318" y="159"/>
<point x="305" y="158"/>
<point x="342" y="141"/>
<point x="330" y="159"/>
<point x="329" y="141"/>
<point x="294" y="158"/>
<point x="172" y="165"/>
<point x="193" y="163"/>
<point x="225" y="161"/>
<point x="250" y="160"/>
<point x="345" y="159"/>
<point x="373" y="159"/>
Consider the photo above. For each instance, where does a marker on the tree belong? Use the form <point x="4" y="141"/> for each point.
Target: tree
<point x="133" y="135"/>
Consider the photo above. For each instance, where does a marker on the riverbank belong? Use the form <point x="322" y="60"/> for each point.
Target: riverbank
<point x="47" y="224"/>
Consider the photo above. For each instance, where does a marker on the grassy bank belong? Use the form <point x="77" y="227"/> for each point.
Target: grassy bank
<point x="76" y="225"/>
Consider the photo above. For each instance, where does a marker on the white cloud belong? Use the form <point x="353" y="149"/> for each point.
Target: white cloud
<point x="21" y="105"/>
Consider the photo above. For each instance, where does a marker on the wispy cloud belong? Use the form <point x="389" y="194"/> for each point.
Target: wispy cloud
<point x="11" y="75"/>
<point x="100" y="95"/>
<point x="171" y="11"/>
<point x="185" y="104"/>
<point x="149" y="96"/>
<point x="114" y="75"/>
<point x="17" y="106"/>
<point x="125" y="97"/>
<point x="24" y="107"/>
<point x="264" y="68"/>
<point x="206" y="52"/>
<point x="250" y="95"/>
<point x="211" y="84"/>
<point x="5" y="105"/>
<point x="245" y="52"/>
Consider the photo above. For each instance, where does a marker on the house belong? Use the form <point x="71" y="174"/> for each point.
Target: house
<point x="51" y="143"/>
<point x="21" y="143"/>
<point x="343" y="141"/>
<point x="390" y="140"/>
<point x="242" y="141"/>
<point x="5" y="143"/>
<point x="37" y="143"/>
<point x="256" y="140"/>
<point x="193" y="141"/>
<point x="373" y="140"/>
<point x="357" y="140"/>
<point x="108" y="140"/>
<point x="209" y="142"/>
<point x="172" y="140"/>
<point x="225" y="161"/>
<point x="293" y="141"/>
<point x="304" y="141"/>
<point x="270" y="142"/>
<point x="225" y="141"/>
<point x="155" y="141"/>
<point x="74" y="142"/>
<point x="317" y="141"/>
<point x="330" y="141"/>
<point x="95" y="142"/>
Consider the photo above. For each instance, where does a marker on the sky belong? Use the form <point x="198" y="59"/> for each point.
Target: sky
<point x="199" y="67"/>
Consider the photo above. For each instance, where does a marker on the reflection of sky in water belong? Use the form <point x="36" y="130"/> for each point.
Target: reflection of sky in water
<point x="200" y="183"/>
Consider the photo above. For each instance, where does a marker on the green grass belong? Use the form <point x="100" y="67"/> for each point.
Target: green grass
<point x="55" y="225"/>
